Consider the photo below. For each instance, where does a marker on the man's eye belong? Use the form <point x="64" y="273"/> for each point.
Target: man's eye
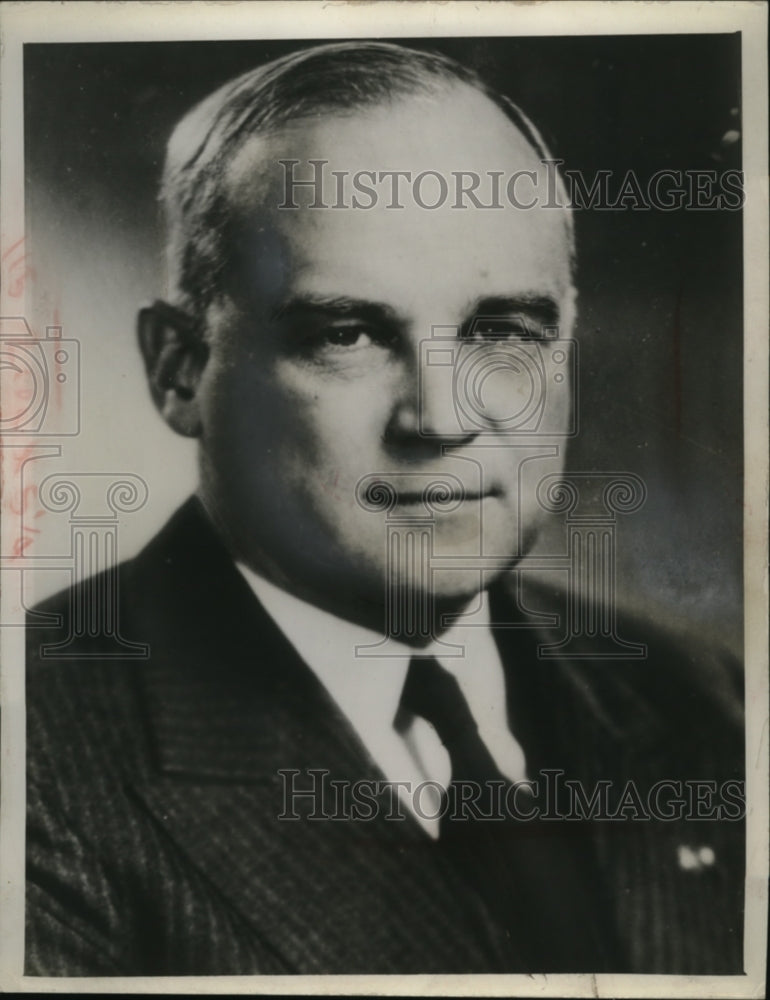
<point x="503" y="328"/>
<point x="349" y="336"/>
<point x="339" y="343"/>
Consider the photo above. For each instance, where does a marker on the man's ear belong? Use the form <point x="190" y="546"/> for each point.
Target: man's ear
<point x="175" y="355"/>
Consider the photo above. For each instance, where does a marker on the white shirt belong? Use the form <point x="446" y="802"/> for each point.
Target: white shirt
<point x="366" y="684"/>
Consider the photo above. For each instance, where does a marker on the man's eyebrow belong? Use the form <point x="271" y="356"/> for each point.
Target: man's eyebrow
<point x="337" y="306"/>
<point x="544" y="307"/>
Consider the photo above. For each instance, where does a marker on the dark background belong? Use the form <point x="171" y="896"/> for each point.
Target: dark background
<point x="660" y="309"/>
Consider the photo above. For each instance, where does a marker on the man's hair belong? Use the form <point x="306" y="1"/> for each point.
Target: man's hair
<point x="342" y="76"/>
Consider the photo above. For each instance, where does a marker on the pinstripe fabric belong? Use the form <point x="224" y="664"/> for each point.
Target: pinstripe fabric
<point x="675" y="716"/>
<point x="153" y="842"/>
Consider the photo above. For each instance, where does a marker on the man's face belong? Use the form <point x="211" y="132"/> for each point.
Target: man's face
<point x="319" y="376"/>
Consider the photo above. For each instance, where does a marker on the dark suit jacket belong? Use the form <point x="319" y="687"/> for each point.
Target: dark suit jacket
<point x="153" y="844"/>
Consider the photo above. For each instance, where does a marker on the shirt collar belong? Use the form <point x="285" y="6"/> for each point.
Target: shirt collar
<point x="364" y="674"/>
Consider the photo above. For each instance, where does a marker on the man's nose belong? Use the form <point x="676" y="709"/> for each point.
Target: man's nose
<point x="426" y="409"/>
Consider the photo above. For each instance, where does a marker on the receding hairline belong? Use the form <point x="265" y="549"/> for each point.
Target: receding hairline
<point x="310" y="80"/>
<point x="333" y="79"/>
<point x="307" y="124"/>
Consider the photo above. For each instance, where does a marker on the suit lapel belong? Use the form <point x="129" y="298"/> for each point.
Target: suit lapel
<point x="600" y="721"/>
<point x="231" y="707"/>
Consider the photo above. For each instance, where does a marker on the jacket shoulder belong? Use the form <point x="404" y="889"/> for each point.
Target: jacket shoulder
<point x="638" y="674"/>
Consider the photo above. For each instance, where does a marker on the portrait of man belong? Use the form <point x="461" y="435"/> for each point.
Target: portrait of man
<point x="355" y="716"/>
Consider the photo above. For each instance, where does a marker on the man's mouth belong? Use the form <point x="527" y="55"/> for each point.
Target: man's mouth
<point x="439" y="497"/>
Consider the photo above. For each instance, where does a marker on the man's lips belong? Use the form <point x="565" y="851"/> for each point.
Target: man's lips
<point x="405" y="498"/>
<point x="440" y="492"/>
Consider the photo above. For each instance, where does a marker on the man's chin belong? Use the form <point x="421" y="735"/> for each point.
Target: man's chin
<point x="446" y="590"/>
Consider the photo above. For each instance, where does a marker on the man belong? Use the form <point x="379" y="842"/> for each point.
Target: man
<point x="327" y="623"/>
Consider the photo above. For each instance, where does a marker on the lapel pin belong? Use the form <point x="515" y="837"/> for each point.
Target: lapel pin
<point x="695" y="859"/>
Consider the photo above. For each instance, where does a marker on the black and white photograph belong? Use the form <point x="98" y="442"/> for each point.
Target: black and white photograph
<point x="384" y="498"/>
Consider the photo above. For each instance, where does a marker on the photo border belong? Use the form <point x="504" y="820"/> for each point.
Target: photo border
<point x="21" y="23"/>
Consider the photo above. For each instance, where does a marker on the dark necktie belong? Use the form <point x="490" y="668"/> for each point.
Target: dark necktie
<point x="533" y="876"/>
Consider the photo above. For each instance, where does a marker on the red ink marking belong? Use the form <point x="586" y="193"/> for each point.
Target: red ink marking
<point x="24" y="541"/>
<point x="19" y="505"/>
<point x="15" y="269"/>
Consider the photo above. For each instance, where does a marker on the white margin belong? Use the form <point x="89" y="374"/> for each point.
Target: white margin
<point x="151" y="21"/>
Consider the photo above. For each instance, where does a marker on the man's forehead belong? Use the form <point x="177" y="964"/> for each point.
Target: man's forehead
<point x="412" y="253"/>
<point x="456" y="128"/>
